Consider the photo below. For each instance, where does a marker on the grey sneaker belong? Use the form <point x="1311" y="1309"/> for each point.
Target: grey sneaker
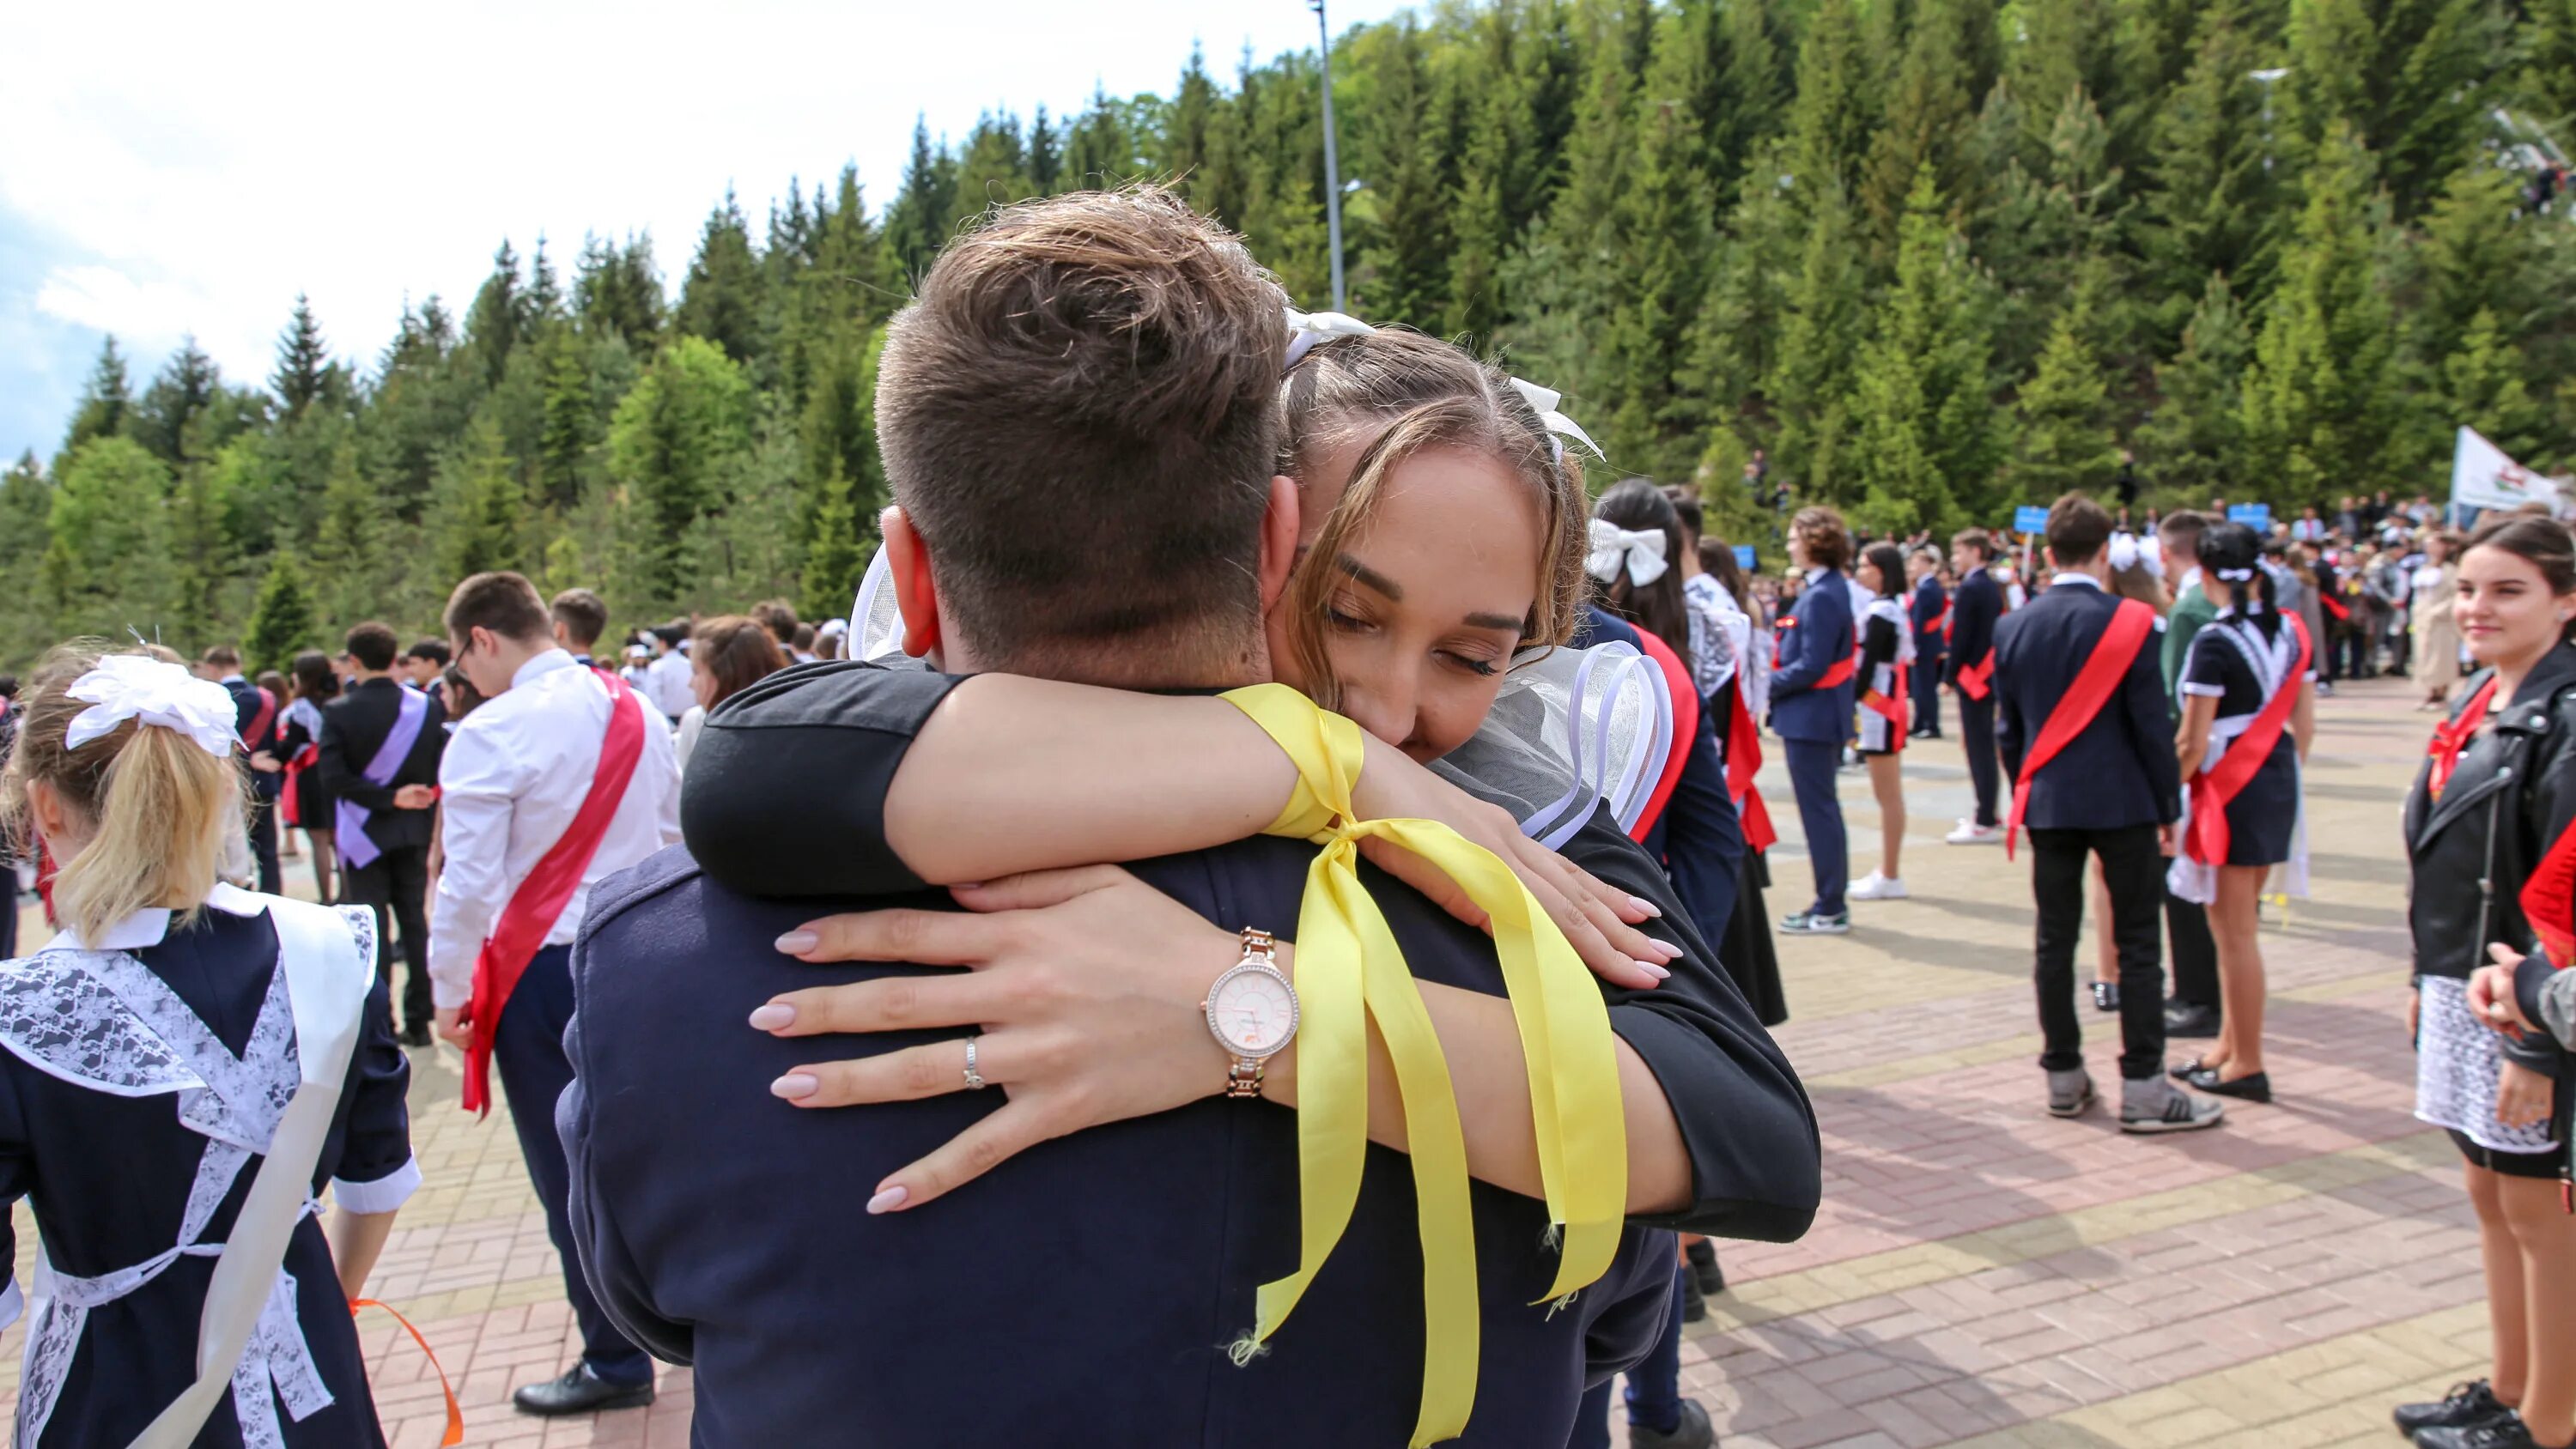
<point x="1693" y="1432"/>
<point x="2156" y="1105"/>
<point x="2070" y="1093"/>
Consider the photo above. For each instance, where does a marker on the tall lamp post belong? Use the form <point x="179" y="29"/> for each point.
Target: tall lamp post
<point x="1332" y="162"/>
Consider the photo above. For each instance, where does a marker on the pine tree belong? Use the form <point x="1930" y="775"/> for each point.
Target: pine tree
<point x="1834" y="110"/>
<point x="2210" y="191"/>
<point x="2483" y="388"/>
<point x="495" y="324"/>
<point x="1810" y="387"/>
<point x="2066" y="442"/>
<point x="1405" y="271"/>
<point x="1663" y="257"/>
<point x="1185" y="123"/>
<point x="483" y="511"/>
<point x="1046" y="153"/>
<point x="2317" y="414"/>
<point x="1925" y="433"/>
<point x="993" y="171"/>
<point x="303" y="363"/>
<point x="166" y="418"/>
<point x="1099" y="152"/>
<point x="722" y="298"/>
<point x="671" y="447"/>
<point x="617" y="291"/>
<point x="2194" y="442"/>
<point x="916" y="227"/>
<point x="1927" y="118"/>
<point x="2409" y="79"/>
<point x="281" y="621"/>
<point x="105" y="401"/>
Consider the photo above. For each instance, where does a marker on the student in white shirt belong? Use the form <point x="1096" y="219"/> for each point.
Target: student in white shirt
<point x="666" y="680"/>
<point x="516" y="773"/>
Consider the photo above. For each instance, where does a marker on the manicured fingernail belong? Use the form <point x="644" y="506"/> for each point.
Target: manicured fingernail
<point x="774" y="1016"/>
<point x="1652" y="910"/>
<point x="1651" y="969"/>
<point x="798" y="942"/>
<point x="888" y="1200"/>
<point x="795" y="1086"/>
<point x="1669" y="951"/>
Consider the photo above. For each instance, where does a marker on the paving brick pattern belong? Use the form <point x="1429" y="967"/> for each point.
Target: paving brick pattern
<point x="1981" y="1273"/>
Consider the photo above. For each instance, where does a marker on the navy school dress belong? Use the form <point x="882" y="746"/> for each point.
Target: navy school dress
<point x="2235" y="663"/>
<point x="112" y="1179"/>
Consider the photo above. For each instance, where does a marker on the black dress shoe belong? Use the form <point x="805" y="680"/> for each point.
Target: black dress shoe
<point x="415" y="1035"/>
<point x="2470" y="1403"/>
<point x="580" y="1391"/>
<point x="2506" y="1431"/>
<point x="2252" y="1087"/>
<point x="1703" y="1261"/>
<point x="2182" y="1071"/>
<point x="2106" y="996"/>
<point x="2185" y="1020"/>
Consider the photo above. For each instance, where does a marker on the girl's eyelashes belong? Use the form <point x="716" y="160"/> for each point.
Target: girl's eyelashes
<point x="1485" y="668"/>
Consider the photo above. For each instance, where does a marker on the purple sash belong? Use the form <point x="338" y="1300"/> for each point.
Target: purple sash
<point x="355" y="848"/>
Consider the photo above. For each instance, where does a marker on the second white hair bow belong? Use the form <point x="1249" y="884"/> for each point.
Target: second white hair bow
<point x="138" y="687"/>
<point x="1305" y="329"/>
<point x="2128" y="550"/>
<point x="1613" y="548"/>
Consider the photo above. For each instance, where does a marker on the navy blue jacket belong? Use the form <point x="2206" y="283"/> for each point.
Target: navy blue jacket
<point x="246" y="707"/>
<point x="1974" y="608"/>
<point x="1698" y="836"/>
<point x="1820" y="634"/>
<point x="2121" y="770"/>
<point x="1132" y="1250"/>
<point x="1930" y="599"/>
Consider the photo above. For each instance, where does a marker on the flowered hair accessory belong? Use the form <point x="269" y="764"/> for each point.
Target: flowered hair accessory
<point x="1306" y="329"/>
<point x="134" y="687"/>
<point x="1614" y="548"/>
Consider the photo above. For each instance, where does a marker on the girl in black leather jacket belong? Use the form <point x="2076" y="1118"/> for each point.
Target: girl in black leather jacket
<point x="2495" y="797"/>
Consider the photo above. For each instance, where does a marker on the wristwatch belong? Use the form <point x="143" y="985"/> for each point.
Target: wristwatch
<point x="1252" y="1012"/>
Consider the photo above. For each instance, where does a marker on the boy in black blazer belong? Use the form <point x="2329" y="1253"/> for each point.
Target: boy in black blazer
<point x="384" y="842"/>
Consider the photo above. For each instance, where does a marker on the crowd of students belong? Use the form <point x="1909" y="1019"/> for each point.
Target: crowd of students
<point x="1407" y="541"/>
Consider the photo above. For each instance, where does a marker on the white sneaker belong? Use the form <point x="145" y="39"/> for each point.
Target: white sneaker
<point x="1971" y="833"/>
<point x="1876" y="886"/>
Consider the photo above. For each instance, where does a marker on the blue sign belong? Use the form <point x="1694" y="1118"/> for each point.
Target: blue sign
<point x="2256" y="516"/>
<point x="2030" y="518"/>
<point x="1744" y="557"/>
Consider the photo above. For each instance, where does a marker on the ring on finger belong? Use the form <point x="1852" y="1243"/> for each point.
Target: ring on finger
<point x="974" y="1079"/>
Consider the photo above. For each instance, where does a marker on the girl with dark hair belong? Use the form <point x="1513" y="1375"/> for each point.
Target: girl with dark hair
<point x="2494" y="806"/>
<point x="2248" y="714"/>
<point x="306" y="803"/>
<point x="1886" y="653"/>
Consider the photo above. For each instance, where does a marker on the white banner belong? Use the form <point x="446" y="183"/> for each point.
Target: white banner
<point x="2483" y="477"/>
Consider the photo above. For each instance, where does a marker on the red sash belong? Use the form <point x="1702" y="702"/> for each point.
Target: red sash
<point x="540" y="899"/>
<point x="303" y="761"/>
<point x="1892" y="709"/>
<point x="2333" y="605"/>
<point x="256" y="737"/>
<point x="2548" y="901"/>
<point x="2131" y="623"/>
<point x="1743" y="762"/>
<point x="1839" y="674"/>
<point x="2452" y="736"/>
<point x="1685" y="697"/>
<point x="2206" y="841"/>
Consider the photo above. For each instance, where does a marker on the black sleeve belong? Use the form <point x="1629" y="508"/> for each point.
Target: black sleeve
<point x="1877" y="641"/>
<point x="340" y="777"/>
<point x="2011" y="731"/>
<point x="1973" y="614"/>
<point x="2142" y="695"/>
<point x="1756" y="1167"/>
<point x="785" y="793"/>
<point x="376" y="1170"/>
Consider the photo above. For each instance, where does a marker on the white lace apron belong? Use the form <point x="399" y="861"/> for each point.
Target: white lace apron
<point x="2457" y="1062"/>
<point x="102" y="1020"/>
<point x="2271" y="663"/>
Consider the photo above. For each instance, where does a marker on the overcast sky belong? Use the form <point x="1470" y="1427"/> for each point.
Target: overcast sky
<point x="172" y="168"/>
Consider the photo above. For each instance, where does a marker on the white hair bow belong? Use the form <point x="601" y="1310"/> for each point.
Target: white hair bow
<point x="2128" y="551"/>
<point x="138" y="687"/>
<point x="1305" y="329"/>
<point x="1612" y="547"/>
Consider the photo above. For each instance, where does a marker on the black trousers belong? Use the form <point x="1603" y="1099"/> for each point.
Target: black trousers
<point x="1924" y="683"/>
<point x="527" y="1051"/>
<point x="1977" y="740"/>
<point x="263" y="844"/>
<point x="2133" y="867"/>
<point x="2195" y="952"/>
<point x="397" y="880"/>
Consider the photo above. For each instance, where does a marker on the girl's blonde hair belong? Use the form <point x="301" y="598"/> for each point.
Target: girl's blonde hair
<point x="1413" y="393"/>
<point x="157" y="803"/>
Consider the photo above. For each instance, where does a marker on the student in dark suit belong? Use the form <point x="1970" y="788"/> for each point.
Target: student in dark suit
<point x="1929" y="614"/>
<point x="258" y="711"/>
<point x="1812" y="699"/>
<point x="1157" y="1227"/>
<point x="380" y="744"/>
<point x="1969" y="666"/>
<point x="2086" y="734"/>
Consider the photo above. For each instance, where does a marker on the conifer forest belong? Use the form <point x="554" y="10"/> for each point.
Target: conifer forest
<point x="1934" y="257"/>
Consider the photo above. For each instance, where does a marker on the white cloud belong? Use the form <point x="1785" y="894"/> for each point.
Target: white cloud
<point x="195" y="167"/>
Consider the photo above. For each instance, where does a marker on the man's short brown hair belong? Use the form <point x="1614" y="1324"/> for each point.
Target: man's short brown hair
<point x="1975" y="538"/>
<point x="777" y="616"/>
<point x="1079" y="414"/>
<point x="505" y="603"/>
<point x="373" y="645"/>
<point x="2078" y="530"/>
<point x="222" y="656"/>
<point x="583" y="616"/>
<point x="2179" y="532"/>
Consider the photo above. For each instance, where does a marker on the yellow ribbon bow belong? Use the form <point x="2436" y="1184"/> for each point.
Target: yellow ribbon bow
<point x="1348" y="963"/>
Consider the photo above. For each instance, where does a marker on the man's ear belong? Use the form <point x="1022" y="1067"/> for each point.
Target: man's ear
<point x="1279" y="525"/>
<point x="915" y="596"/>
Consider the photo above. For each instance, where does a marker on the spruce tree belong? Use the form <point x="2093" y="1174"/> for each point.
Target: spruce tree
<point x="1099" y="152"/>
<point x="281" y="619"/>
<point x="566" y="430"/>
<point x="2483" y="388"/>
<point x="495" y="324"/>
<point x="483" y="522"/>
<point x="2194" y="441"/>
<point x="722" y="299"/>
<point x="1405" y="270"/>
<point x="2410" y="80"/>
<point x="107" y="559"/>
<point x="1046" y="153"/>
<point x="303" y="362"/>
<point x="2062" y="416"/>
<point x="2317" y="400"/>
<point x="105" y="401"/>
<point x="1664" y="245"/>
<point x="916" y="227"/>
<point x="1810" y="387"/>
<point x="1927" y="118"/>
<point x="1834" y="110"/>
<point x="2210" y="193"/>
<point x="617" y="291"/>
<point x="166" y="419"/>
<point x="1925" y="436"/>
<point x="993" y="170"/>
<point x="673" y="446"/>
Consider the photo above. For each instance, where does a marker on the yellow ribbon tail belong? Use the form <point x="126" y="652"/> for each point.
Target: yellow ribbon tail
<point x="1332" y="1088"/>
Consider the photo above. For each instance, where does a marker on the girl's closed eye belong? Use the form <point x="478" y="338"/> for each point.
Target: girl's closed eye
<point x="1473" y="665"/>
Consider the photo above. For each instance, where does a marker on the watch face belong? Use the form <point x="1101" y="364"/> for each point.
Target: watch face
<point x="1252" y="1012"/>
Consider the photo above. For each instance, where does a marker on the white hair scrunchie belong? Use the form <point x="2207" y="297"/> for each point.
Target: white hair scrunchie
<point x="137" y="687"/>
<point x="1613" y="547"/>
<point x="2124" y="552"/>
<point x="1306" y="329"/>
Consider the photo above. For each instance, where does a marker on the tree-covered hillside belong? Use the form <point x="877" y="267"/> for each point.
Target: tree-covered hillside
<point x="1935" y="256"/>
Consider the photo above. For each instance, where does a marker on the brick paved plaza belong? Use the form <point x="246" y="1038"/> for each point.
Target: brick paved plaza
<point x="1980" y="1273"/>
